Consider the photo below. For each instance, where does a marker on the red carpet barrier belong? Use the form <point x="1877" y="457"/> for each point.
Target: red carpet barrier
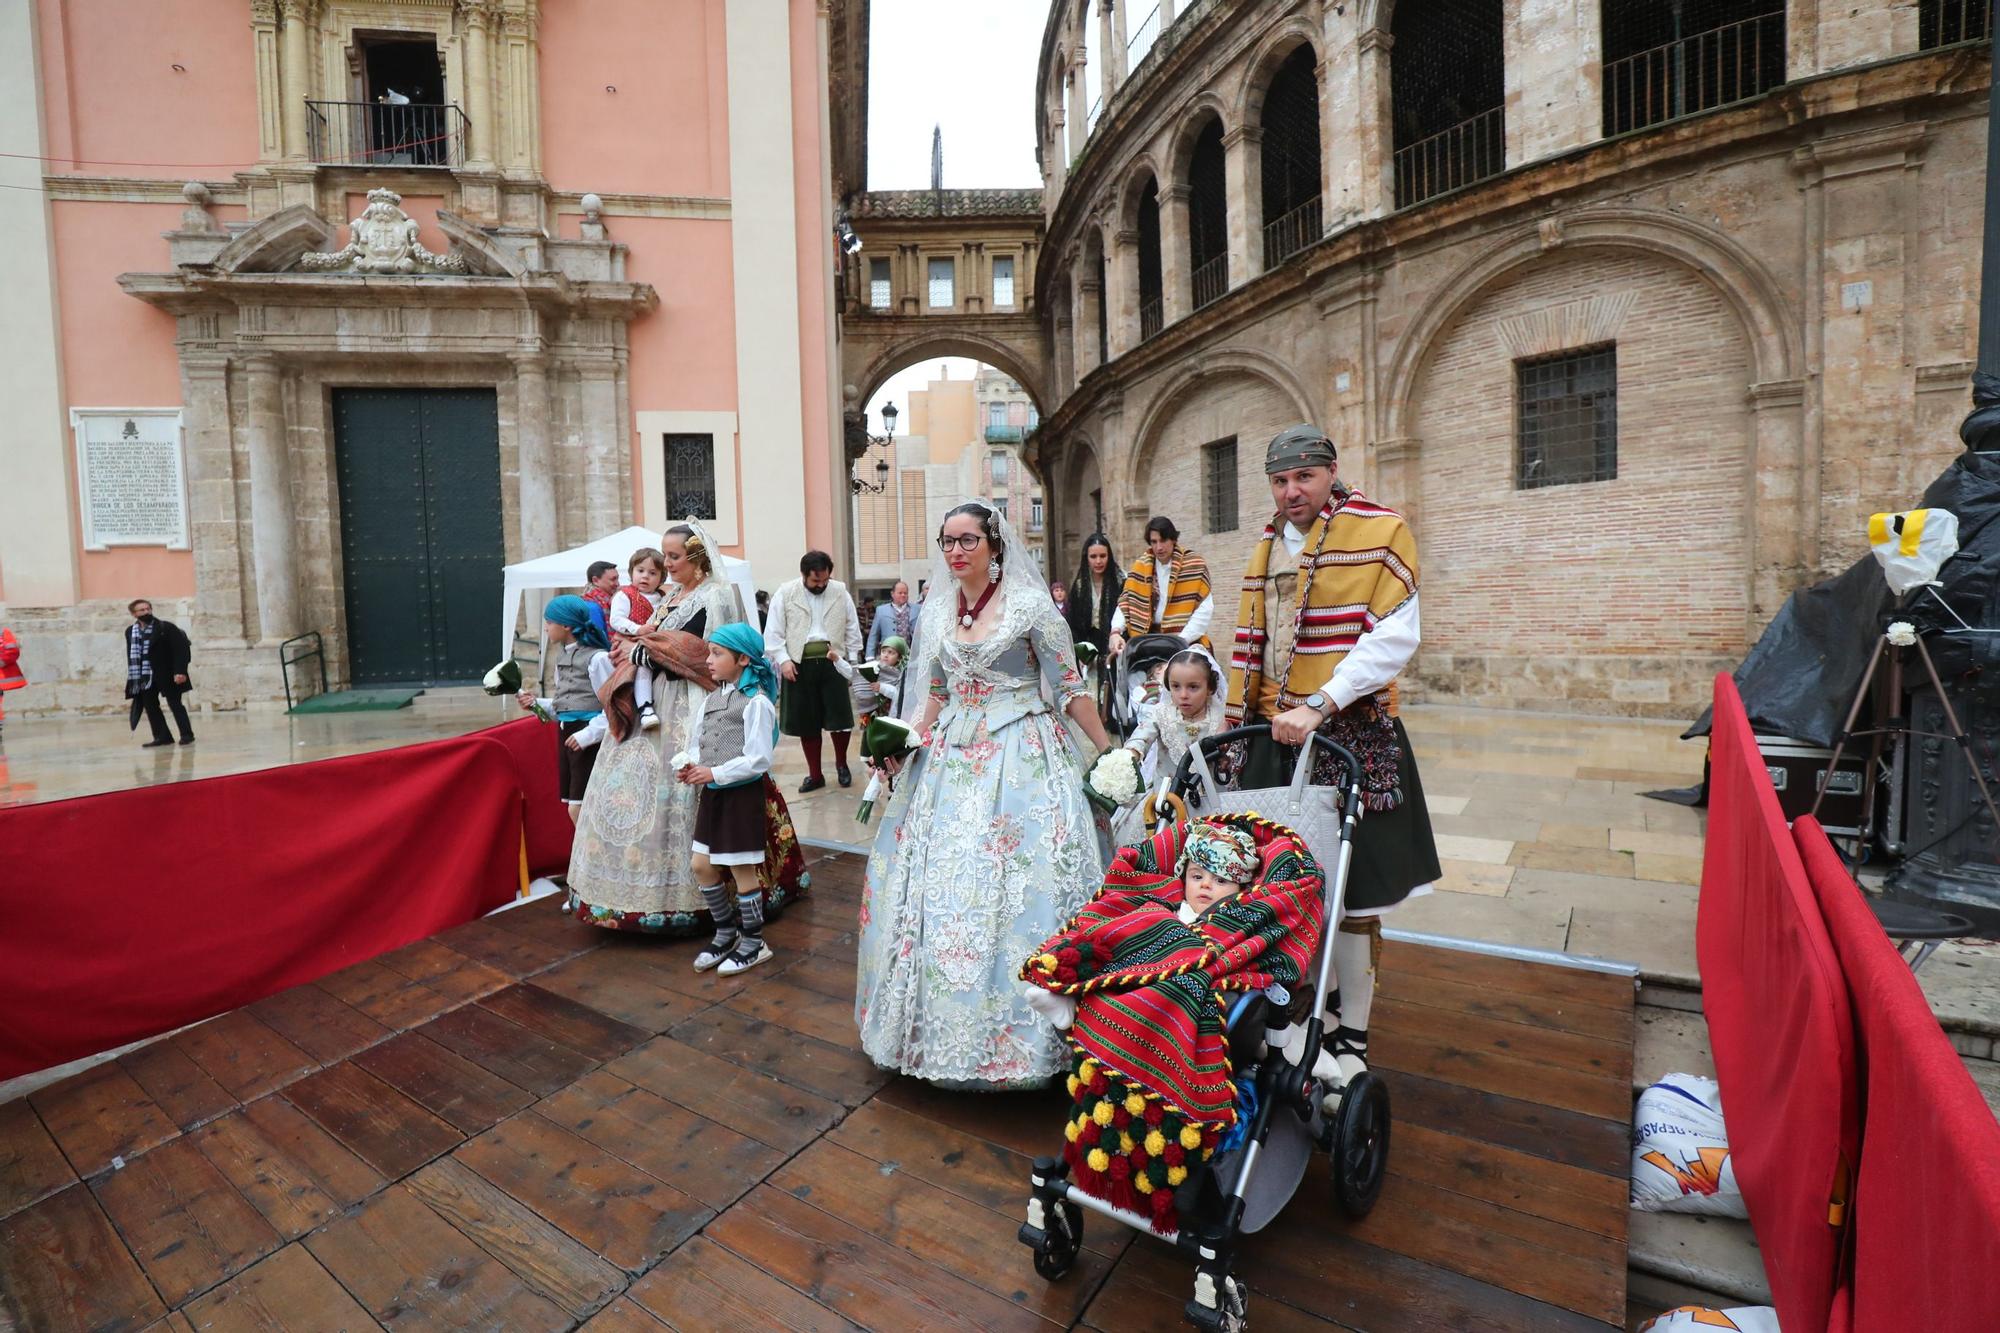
<point x="1780" y="1025"/>
<point x="532" y="746"/>
<point x="136" y="912"/>
<point x="1927" y="1196"/>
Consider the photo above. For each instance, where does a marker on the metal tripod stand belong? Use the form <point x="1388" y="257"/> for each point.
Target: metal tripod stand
<point x="1898" y="726"/>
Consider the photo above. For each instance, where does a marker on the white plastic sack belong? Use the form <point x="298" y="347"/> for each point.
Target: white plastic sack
<point x="1696" y="1318"/>
<point x="1680" y="1152"/>
<point x="1911" y="545"/>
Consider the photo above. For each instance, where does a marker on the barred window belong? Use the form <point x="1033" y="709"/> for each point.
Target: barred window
<point x="878" y="284"/>
<point x="1568" y="423"/>
<point x="690" y="476"/>
<point x="1945" y="22"/>
<point x="1035" y="514"/>
<point x="1218" y="485"/>
<point x="941" y="276"/>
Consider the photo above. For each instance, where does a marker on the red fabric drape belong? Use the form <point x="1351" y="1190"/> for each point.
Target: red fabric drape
<point x="1780" y="1024"/>
<point x="135" y="912"/>
<point x="532" y="745"/>
<point x="1927" y="1195"/>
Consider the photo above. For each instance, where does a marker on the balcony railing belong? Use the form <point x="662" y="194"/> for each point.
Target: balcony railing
<point x="1152" y="318"/>
<point x="1947" y="22"/>
<point x="1140" y="40"/>
<point x="1211" y="280"/>
<point x="1707" y="70"/>
<point x="1469" y="151"/>
<point x="1287" y="235"/>
<point x="1004" y="434"/>
<point x="381" y="134"/>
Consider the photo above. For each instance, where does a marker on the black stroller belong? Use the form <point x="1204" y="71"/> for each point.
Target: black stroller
<point x="1240" y="1190"/>
<point x="1141" y="655"/>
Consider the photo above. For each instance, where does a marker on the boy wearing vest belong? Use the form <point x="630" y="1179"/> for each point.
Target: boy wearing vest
<point x="731" y="754"/>
<point x="813" y="626"/>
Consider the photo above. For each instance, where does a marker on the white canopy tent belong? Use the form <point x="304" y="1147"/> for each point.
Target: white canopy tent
<point x="565" y="569"/>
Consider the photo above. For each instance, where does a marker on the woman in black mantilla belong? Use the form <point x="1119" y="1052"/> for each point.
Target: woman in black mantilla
<point x="1093" y="596"/>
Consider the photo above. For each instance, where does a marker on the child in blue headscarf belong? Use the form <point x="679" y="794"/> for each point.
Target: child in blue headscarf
<point x="577" y="632"/>
<point x="731" y="754"/>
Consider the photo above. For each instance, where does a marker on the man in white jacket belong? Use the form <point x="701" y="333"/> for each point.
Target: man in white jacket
<point x="811" y="630"/>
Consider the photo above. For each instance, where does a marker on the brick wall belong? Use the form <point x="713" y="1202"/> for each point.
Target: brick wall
<point x="1527" y="593"/>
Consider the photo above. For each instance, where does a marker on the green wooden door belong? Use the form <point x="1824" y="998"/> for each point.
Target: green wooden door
<point x="419" y="473"/>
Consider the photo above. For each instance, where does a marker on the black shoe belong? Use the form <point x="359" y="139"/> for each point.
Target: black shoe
<point x="154" y="745"/>
<point x="846" y="775"/>
<point x="187" y="740"/>
<point x="811" y="784"/>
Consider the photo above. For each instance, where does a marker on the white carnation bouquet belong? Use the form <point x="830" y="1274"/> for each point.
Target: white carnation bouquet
<point x="1114" y="779"/>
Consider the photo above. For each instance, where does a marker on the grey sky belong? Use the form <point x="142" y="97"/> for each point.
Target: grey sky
<point x="969" y="67"/>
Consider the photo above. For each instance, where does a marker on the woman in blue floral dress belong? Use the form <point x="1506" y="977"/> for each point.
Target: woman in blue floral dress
<point x="991" y="844"/>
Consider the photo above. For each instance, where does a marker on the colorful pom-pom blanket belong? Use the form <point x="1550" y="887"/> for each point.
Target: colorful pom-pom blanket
<point x="1153" y="1091"/>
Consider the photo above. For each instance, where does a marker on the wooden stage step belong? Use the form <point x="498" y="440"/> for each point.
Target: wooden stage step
<point x="525" y="1123"/>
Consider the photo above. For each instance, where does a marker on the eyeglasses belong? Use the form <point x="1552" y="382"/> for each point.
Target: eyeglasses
<point x="963" y="542"/>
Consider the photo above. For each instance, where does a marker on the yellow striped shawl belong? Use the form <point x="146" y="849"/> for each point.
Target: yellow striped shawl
<point x="1359" y="564"/>
<point x="1187" y="589"/>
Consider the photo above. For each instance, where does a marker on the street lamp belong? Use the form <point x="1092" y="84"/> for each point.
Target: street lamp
<point x="886" y="439"/>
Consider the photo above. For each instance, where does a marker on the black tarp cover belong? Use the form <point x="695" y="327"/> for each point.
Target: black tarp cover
<point x="1800" y="678"/>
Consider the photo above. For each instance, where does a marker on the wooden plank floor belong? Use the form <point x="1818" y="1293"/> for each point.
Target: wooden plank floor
<point x="525" y="1123"/>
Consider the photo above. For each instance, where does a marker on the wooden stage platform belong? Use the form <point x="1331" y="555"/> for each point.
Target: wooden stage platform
<point x="524" y="1123"/>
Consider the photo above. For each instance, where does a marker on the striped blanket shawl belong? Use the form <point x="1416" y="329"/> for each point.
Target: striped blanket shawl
<point x="1152" y="1089"/>
<point x="1359" y="563"/>
<point x="1188" y="586"/>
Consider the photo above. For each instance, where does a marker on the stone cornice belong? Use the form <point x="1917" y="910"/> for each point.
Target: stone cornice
<point x="136" y="189"/>
<point x="190" y="290"/>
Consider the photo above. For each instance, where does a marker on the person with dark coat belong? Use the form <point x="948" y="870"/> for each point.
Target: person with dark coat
<point x="157" y="654"/>
<point x="1093" y="597"/>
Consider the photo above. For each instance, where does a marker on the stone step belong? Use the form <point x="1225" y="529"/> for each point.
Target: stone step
<point x="1718" y="1256"/>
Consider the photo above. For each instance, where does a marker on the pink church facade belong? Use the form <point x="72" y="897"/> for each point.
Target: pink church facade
<point x="328" y="308"/>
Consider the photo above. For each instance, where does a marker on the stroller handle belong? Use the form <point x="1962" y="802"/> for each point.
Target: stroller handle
<point x="1183" y="783"/>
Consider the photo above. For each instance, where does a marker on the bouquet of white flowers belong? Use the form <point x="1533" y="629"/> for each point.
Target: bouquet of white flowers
<point x="1113" y="780"/>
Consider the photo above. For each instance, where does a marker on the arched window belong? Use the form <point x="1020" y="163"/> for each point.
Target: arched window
<point x="1290" y="120"/>
<point x="1208" y="217"/>
<point x="1447" y="93"/>
<point x="1664" y="59"/>
<point x="1944" y="22"/>
<point x="1152" y="306"/>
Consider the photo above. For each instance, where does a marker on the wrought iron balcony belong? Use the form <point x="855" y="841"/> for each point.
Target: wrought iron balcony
<point x="1287" y="235"/>
<point x="1005" y="434"/>
<point x="1732" y="63"/>
<point x="1211" y="280"/>
<point x="1152" y="318"/>
<point x="1469" y="151"/>
<point x="385" y="134"/>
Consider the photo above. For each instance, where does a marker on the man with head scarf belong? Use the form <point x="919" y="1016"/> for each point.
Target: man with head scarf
<point x="1328" y="619"/>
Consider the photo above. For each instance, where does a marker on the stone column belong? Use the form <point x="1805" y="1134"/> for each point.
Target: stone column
<point x="1083" y="283"/>
<point x="271" y="92"/>
<point x="212" y="500"/>
<point x="1110" y="49"/>
<point x="606" y="447"/>
<point x="1374" y="172"/>
<point x="273" y="549"/>
<point x="1121" y="276"/>
<point x="1175" y="270"/>
<point x="540" y="530"/>
<point x="1778" y="561"/>
<point x="1554" y="77"/>
<point x="1120" y="40"/>
<point x="1079" y="104"/>
<point x="481" y="138"/>
<point x="1166" y="14"/>
<point x="1064" y="350"/>
<point x="295" y="74"/>
<point x="1243" y="194"/>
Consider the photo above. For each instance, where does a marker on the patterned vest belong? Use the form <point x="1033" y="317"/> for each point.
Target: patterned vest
<point x="573" y="691"/>
<point x="722" y="729"/>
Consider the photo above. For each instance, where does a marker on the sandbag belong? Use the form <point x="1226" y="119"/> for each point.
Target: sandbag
<point x="1697" y="1318"/>
<point x="1680" y="1152"/>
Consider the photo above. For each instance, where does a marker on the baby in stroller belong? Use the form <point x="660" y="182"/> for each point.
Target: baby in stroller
<point x="1230" y="903"/>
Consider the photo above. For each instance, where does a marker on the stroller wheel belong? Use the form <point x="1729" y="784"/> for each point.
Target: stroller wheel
<point x="1360" y="1147"/>
<point x="1061" y="1239"/>
<point x="1233" y="1314"/>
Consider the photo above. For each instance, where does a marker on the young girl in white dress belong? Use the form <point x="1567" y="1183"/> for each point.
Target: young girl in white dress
<point x="1189" y="708"/>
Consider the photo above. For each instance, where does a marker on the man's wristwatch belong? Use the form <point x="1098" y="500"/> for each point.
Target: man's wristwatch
<point x="1319" y="703"/>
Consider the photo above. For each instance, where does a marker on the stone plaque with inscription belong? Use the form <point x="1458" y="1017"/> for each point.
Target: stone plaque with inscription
<point x="130" y="481"/>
